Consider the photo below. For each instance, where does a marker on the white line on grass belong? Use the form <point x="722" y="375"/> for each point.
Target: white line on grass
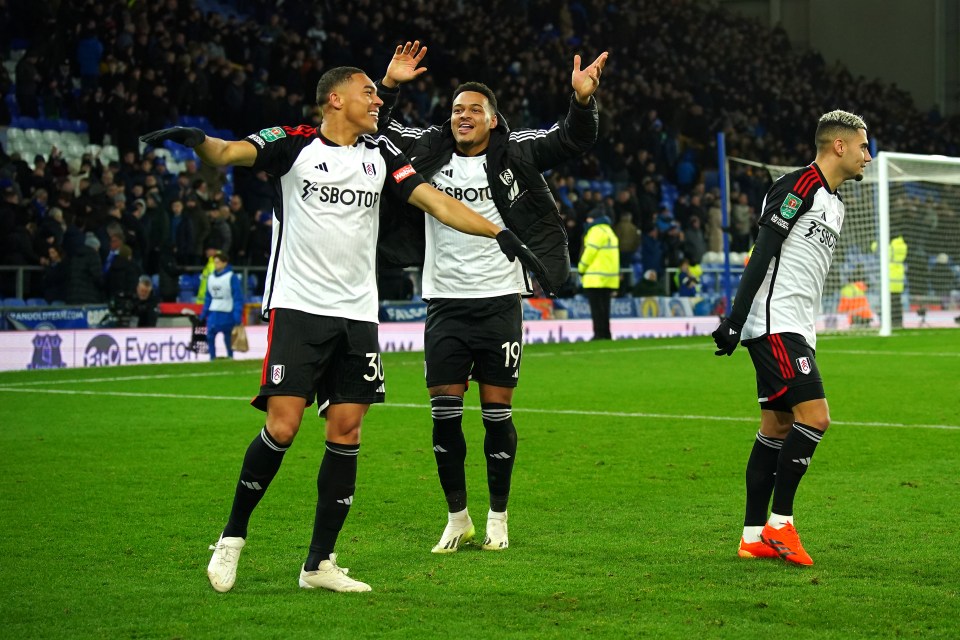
<point x="119" y="378"/>
<point x="424" y="407"/>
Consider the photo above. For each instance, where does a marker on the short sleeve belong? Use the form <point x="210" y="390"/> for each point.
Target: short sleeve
<point x="278" y="147"/>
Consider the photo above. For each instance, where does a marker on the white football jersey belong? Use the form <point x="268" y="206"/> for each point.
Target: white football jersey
<point x="800" y="207"/>
<point x="458" y="265"/>
<point x="326" y="219"/>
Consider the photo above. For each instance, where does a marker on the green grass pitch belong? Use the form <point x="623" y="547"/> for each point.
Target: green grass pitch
<point x="625" y="514"/>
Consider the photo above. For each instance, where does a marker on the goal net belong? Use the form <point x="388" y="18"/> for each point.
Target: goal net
<point x="915" y="198"/>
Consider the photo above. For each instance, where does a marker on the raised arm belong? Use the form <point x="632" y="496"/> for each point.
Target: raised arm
<point x="403" y="65"/>
<point x="212" y="151"/>
<point x="585" y="81"/>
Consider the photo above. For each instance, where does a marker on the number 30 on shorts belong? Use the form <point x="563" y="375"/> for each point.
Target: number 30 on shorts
<point x="376" y="366"/>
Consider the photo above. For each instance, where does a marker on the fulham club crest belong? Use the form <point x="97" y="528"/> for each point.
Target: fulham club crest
<point x="276" y="373"/>
<point x="803" y="365"/>
<point x="370" y="169"/>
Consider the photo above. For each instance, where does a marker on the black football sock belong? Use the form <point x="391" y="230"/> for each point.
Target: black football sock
<point x="794" y="461"/>
<point x="336" y="482"/>
<point x="260" y="465"/>
<point x="761" y="474"/>
<point x="500" y="449"/>
<point x="450" y="449"/>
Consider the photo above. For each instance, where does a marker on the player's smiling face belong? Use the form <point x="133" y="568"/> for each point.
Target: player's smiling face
<point x="856" y="154"/>
<point x="471" y="122"/>
<point x="361" y="102"/>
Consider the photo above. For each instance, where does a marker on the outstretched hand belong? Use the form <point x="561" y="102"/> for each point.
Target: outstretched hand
<point x="585" y="81"/>
<point x="403" y="64"/>
<point x="187" y="136"/>
<point x="514" y="249"/>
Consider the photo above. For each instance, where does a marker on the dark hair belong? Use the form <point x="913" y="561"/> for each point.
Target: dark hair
<point x="477" y="87"/>
<point x="332" y="79"/>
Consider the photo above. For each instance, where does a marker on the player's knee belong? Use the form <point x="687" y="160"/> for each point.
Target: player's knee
<point x="283" y="430"/>
<point x="818" y="422"/>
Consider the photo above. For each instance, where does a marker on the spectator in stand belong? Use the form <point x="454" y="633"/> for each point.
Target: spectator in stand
<point x="741" y="224"/>
<point x="651" y="252"/>
<point x="221" y="235"/>
<point x="85" y="273"/>
<point x="55" y="276"/>
<point x="28" y="83"/>
<point x="240" y="227"/>
<point x="694" y="244"/>
<point x="628" y="236"/>
<point x="121" y="276"/>
<point x="200" y="227"/>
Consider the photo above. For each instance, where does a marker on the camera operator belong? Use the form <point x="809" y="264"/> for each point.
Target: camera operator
<point x="146" y="304"/>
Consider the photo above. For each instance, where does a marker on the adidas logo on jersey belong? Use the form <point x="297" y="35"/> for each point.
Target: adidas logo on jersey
<point x="322" y="166"/>
<point x="447" y="172"/>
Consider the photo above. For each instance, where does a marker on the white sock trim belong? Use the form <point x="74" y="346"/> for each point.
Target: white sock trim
<point x="752" y="534"/>
<point x="777" y="521"/>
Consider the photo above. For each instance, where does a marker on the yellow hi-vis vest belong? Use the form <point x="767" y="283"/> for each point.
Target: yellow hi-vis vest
<point x="898" y="256"/>
<point x="600" y="262"/>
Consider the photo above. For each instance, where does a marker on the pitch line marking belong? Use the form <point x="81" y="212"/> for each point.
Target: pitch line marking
<point x="118" y="378"/>
<point x="424" y="407"/>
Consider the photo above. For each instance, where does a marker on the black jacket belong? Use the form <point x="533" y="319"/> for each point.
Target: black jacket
<point x="515" y="162"/>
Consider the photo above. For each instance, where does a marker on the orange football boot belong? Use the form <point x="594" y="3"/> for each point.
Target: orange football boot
<point x="755" y="550"/>
<point x="785" y="542"/>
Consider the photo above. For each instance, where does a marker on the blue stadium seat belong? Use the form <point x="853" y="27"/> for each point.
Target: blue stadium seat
<point x="24" y="122"/>
<point x="13" y="302"/>
<point x="190" y="282"/>
<point x="74" y="126"/>
<point x="48" y="124"/>
<point x="36" y="302"/>
<point x="200" y="122"/>
<point x="12" y="105"/>
<point x="707" y="282"/>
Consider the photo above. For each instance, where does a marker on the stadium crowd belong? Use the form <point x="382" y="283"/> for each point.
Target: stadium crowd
<point x="679" y="72"/>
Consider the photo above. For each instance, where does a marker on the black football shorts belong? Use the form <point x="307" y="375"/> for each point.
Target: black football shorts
<point x="787" y="372"/>
<point x="333" y="359"/>
<point x="478" y="338"/>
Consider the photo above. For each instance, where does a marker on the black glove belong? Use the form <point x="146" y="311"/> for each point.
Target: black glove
<point x="513" y="248"/>
<point x="187" y="136"/>
<point x="727" y="337"/>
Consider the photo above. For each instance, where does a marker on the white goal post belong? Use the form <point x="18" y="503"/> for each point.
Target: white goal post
<point x="915" y="197"/>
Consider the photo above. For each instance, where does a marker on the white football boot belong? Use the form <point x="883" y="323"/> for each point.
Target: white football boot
<point x="222" y="569"/>
<point x="496" y="538"/>
<point x="459" y="530"/>
<point x="329" y="576"/>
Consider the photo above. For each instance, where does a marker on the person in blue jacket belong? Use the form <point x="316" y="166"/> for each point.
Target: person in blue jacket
<point x="222" y="304"/>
